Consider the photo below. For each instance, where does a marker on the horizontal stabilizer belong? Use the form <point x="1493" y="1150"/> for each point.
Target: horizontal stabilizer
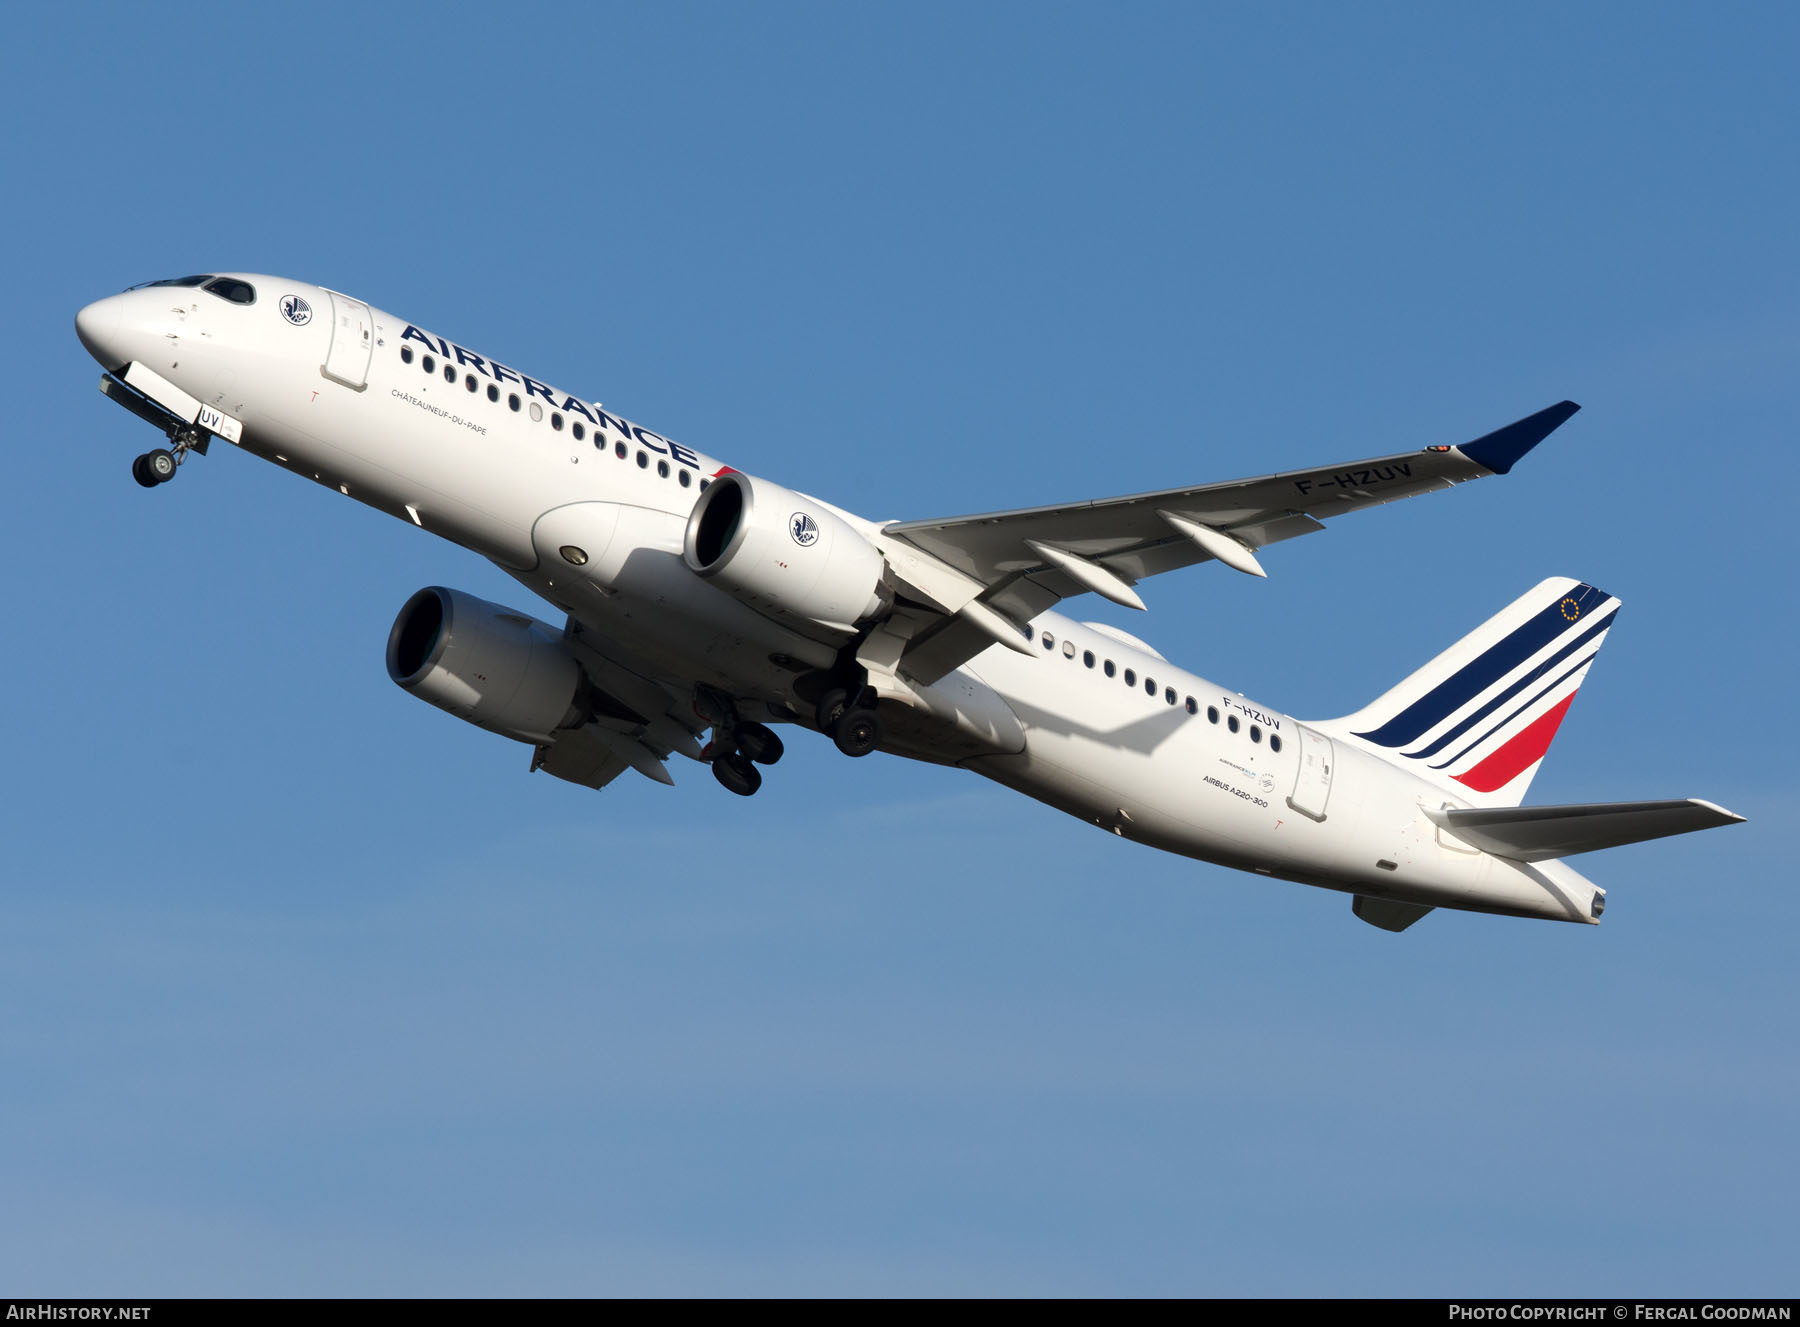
<point x="1534" y="833"/>
<point x="1389" y="914"/>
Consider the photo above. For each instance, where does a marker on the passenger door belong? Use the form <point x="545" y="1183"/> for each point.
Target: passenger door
<point x="352" y="342"/>
<point x="1312" y="785"/>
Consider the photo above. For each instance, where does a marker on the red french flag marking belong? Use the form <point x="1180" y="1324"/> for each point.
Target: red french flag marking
<point x="1521" y="751"/>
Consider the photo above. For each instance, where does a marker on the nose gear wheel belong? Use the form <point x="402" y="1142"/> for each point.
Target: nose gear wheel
<point x="159" y="466"/>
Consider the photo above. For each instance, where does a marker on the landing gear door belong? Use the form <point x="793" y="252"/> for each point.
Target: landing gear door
<point x="1312" y="785"/>
<point x="352" y="342"/>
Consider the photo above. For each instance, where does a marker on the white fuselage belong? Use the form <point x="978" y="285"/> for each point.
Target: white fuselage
<point x="1090" y="723"/>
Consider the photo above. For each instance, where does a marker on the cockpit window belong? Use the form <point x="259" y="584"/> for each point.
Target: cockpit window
<point x="229" y="287"/>
<point x="175" y="281"/>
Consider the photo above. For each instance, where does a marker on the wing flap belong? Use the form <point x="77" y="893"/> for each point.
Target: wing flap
<point x="1535" y="833"/>
<point x="584" y="756"/>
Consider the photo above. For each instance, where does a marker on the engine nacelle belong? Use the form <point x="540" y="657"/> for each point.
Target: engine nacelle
<point x="788" y="556"/>
<point x="498" y="669"/>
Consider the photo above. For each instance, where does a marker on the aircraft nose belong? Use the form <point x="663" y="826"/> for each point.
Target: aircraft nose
<point x="98" y="327"/>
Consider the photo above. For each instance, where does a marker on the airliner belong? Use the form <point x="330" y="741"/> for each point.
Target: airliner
<point x="705" y="606"/>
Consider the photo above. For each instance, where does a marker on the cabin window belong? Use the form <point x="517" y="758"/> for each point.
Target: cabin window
<point x="1149" y="686"/>
<point x="1255" y="733"/>
<point x="428" y="364"/>
<point x="687" y="478"/>
<point x="643" y="460"/>
<point x="493" y="392"/>
<point x="1231" y="722"/>
<point x="1087" y="657"/>
<point x="536" y="412"/>
<point x="556" y="420"/>
<point x="1212" y="713"/>
<point x="1049" y="641"/>
<point x="1130" y="677"/>
<point x="1068" y="649"/>
<point x="1192" y="708"/>
<point x="1274" y="742"/>
<point x="406" y="354"/>
<point x="449" y="373"/>
<point x="1108" y="669"/>
<point x="512" y="400"/>
<point x="662" y="469"/>
<point x="705" y="484"/>
<point x="578" y="431"/>
<point x="470" y="383"/>
<point x="1169" y="696"/>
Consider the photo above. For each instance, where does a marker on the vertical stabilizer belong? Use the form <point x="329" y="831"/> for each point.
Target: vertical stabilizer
<point x="1480" y="717"/>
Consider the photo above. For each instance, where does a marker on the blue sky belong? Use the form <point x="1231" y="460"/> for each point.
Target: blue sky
<point x="312" y="990"/>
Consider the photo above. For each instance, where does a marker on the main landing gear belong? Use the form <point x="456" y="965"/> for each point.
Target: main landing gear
<point x="738" y="750"/>
<point x="158" y="467"/>
<point x="847" y="714"/>
<point x="738" y="746"/>
<point x="850" y="719"/>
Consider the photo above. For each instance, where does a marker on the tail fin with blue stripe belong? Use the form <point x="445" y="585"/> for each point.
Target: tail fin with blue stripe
<point x="1480" y="717"/>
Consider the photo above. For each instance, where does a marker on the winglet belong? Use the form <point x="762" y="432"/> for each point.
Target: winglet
<point x="1500" y="450"/>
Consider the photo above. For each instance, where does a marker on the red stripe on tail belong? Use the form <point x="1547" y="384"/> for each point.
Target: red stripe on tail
<point x="1519" y="753"/>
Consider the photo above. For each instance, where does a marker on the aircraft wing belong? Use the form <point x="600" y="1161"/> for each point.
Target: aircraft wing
<point x="1027" y="560"/>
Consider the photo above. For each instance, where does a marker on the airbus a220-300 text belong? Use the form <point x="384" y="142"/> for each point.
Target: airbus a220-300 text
<point x="703" y="606"/>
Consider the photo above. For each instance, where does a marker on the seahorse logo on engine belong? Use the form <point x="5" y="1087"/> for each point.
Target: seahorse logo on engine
<point x="804" y="529"/>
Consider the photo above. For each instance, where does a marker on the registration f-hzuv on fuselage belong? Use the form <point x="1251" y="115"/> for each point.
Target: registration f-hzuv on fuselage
<point x="703" y="604"/>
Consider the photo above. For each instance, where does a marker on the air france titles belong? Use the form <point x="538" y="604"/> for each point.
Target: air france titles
<point x="602" y="422"/>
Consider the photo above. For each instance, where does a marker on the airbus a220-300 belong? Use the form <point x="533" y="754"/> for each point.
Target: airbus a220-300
<point x="703" y="607"/>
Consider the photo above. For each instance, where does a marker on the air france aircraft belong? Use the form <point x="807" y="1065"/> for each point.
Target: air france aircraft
<point x="703" y="604"/>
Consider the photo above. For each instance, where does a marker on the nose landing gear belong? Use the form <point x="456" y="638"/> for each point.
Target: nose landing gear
<point x="159" y="466"/>
<point x="184" y="434"/>
<point x="153" y="468"/>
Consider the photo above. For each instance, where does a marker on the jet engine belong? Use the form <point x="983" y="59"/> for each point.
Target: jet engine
<point x="498" y="669"/>
<point x="786" y="555"/>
